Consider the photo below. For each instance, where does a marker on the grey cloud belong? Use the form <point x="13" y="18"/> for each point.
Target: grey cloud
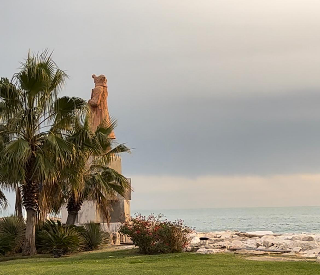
<point x="217" y="135"/>
<point x="206" y="87"/>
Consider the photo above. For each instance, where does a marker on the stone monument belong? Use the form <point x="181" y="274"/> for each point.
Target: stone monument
<point x="99" y="104"/>
<point x="121" y="205"/>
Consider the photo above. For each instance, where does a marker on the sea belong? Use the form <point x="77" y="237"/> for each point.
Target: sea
<point x="276" y="219"/>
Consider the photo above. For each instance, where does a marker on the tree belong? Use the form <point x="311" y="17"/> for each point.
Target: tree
<point x="35" y="120"/>
<point x="3" y="200"/>
<point x="90" y="177"/>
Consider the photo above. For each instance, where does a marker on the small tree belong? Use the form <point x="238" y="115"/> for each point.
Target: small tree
<point x="90" y="177"/>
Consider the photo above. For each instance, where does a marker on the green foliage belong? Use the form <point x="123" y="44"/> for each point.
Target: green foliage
<point x="93" y="236"/>
<point x="12" y="230"/>
<point x="96" y="182"/>
<point x="34" y="123"/>
<point x="153" y="235"/>
<point x="3" y="200"/>
<point x="53" y="237"/>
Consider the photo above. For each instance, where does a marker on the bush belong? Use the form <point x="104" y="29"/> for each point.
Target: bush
<point x="93" y="236"/>
<point x="153" y="235"/>
<point x="53" y="237"/>
<point x="12" y="231"/>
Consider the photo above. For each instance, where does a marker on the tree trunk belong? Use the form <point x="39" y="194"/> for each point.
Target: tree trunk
<point x="72" y="216"/>
<point x="30" y="194"/>
<point x="30" y="241"/>
<point x="73" y="207"/>
<point x="18" y="204"/>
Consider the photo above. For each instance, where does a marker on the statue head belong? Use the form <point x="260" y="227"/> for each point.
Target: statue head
<point x="100" y="80"/>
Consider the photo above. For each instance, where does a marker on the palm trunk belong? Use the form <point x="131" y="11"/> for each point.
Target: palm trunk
<point x="18" y="203"/>
<point x="30" y="192"/>
<point x="72" y="216"/>
<point x="30" y="241"/>
<point x="73" y="207"/>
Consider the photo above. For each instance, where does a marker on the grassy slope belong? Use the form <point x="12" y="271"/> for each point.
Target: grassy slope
<point x="128" y="262"/>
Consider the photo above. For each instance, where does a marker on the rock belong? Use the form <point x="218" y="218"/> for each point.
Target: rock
<point x="192" y="249"/>
<point x="307" y="238"/>
<point x="318" y="259"/>
<point x="304" y="245"/>
<point x="235" y="245"/>
<point x="251" y="243"/>
<point x="258" y="233"/>
<point x="315" y="251"/>
<point x="195" y="240"/>
<point x="220" y="245"/>
<point x="208" y="251"/>
<point x="296" y="249"/>
<point x="307" y="245"/>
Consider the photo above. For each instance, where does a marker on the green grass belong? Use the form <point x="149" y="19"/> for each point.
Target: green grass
<point x="129" y="262"/>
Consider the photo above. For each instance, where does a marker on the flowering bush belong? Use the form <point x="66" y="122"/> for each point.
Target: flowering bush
<point x="153" y="235"/>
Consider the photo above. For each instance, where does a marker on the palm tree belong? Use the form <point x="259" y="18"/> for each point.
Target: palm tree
<point x="90" y="178"/>
<point x="35" y="120"/>
<point x="3" y="200"/>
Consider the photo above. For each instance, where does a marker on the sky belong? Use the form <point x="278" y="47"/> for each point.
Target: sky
<point x="219" y="100"/>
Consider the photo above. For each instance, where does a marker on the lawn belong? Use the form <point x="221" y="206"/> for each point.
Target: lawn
<point x="129" y="262"/>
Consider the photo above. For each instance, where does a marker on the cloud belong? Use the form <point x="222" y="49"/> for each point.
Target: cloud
<point x="194" y="136"/>
<point x="157" y="192"/>
<point x="198" y="88"/>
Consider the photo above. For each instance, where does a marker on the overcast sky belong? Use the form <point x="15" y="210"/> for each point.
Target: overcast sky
<point x="215" y="96"/>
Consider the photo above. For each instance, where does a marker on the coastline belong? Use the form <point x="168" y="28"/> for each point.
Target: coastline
<point x="304" y="245"/>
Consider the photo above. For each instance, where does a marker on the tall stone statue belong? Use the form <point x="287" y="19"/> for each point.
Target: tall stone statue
<point x="98" y="103"/>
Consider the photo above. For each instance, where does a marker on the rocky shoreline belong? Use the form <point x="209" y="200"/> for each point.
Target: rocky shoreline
<point x="256" y="243"/>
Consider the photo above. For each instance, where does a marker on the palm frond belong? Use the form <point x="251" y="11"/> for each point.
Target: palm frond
<point x="17" y="153"/>
<point x="68" y="110"/>
<point x="3" y="200"/>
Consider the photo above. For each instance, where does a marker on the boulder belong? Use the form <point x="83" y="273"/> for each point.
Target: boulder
<point x="235" y="245"/>
<point x="195" y="240"/>
<point x="296" y="249"/>
<point x="258" y="233"/>
<point x="307" y="238"/>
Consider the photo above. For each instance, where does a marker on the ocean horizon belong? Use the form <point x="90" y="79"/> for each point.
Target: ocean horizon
<point x="297" y="219"/>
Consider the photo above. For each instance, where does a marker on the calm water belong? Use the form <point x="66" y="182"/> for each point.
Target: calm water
<point x="277" y="219"/>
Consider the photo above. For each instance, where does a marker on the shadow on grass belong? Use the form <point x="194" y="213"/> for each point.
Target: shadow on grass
<point x="20" y="257"/>
<point x="85" y="255"/>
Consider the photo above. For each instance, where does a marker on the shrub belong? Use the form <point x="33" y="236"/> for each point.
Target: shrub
<point x="53" y="237"/>
<point x="153" y="235"/>
<point x="12" y="230"/>
<point x="93" y="236"/>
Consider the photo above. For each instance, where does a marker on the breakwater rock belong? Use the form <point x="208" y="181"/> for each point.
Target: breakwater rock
<point x="256" y="243"/>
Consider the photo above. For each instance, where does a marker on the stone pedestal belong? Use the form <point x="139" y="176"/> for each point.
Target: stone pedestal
<point x="90" y="213"/>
